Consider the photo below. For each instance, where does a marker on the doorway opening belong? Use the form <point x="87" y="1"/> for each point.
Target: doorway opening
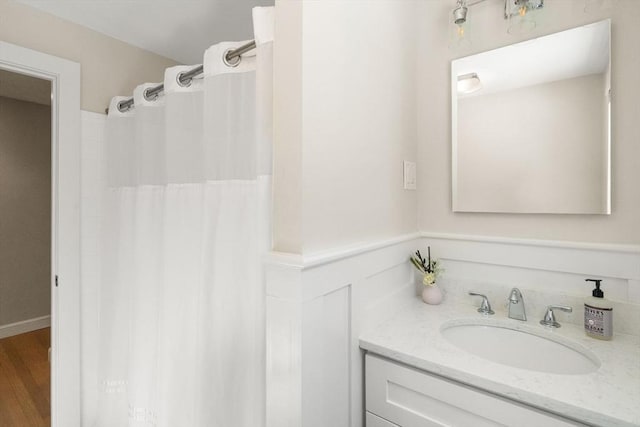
<point x="25" y="248"/>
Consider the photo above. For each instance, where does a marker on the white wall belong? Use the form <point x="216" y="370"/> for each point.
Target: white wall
<point x="287" y="127"/>
<point x="434" y="124"/>
<point x="543" y="154"/>
<point x="338" y="161"/>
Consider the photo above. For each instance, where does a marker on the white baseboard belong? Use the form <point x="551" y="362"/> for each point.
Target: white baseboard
<point x="24" y="326"/>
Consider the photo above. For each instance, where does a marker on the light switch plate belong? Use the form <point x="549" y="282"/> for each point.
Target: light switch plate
<point x="409" y="175"/>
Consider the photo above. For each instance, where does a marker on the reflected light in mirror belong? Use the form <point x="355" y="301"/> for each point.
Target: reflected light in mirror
<point x="469" y="83"/>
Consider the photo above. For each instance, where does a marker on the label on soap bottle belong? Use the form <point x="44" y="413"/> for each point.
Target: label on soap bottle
<point x="598" y="321"/>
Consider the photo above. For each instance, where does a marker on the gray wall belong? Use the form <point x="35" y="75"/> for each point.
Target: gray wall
<point x="25" y="211"/>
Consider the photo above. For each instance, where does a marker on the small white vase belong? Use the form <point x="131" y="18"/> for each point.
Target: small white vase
<point x="432" y="294"/>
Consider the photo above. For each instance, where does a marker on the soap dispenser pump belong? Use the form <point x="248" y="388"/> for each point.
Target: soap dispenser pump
<point x="598" y="314"/>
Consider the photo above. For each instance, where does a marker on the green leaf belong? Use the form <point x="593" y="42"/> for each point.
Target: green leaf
<point x="416" y="263"/>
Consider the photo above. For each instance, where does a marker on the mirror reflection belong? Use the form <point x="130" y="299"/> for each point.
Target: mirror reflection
<point x="531" y="126"/>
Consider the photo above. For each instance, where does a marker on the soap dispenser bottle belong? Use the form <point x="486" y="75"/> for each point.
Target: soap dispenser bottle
<point x="598" y="314"/>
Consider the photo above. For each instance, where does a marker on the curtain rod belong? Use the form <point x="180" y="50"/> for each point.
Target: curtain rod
<point x="231" y="58"/>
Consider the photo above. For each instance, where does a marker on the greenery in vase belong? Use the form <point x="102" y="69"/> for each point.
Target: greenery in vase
<point x="430" y="268"/>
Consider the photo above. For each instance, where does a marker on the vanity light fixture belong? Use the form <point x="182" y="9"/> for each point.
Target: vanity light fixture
<point x="469" y="83"/>
<point x="460" y="34"/>
<point x="460" y="12"/>
<point x="518" y="13"/>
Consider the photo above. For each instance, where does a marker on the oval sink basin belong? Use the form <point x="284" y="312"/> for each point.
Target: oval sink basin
<point x="521" y="348"/>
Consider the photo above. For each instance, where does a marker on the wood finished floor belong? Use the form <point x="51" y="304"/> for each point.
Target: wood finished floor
<point x="24" y="380"/>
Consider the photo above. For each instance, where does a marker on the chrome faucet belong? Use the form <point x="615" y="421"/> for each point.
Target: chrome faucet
<point x="485" y="307"/>
<point x="516" y="305"/>
<point x="550" y="318"/>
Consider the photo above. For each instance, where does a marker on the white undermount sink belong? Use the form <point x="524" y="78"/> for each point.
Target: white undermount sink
<point x="521" y="348"/>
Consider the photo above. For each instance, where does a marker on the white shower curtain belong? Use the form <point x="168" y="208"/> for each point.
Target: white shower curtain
<point x="186" y="222"/>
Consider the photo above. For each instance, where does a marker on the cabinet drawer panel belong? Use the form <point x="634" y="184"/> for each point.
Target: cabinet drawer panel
<point x="375" y="421"/>
<point x="414" y="398"/>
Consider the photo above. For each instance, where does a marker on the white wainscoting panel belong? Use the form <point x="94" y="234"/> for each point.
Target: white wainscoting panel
<point x="327" y="326"/>
<point x="317" y="306"/>
<point x="541" y="265"/>
<point x="608" y="260"/>
<point x="316" y="309"/>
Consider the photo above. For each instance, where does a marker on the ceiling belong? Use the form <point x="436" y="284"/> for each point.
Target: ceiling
<point x="178" y="29"/>
<point x="25" y="88"/>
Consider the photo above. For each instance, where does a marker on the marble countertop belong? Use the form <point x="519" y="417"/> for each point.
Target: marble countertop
<point x="610" y="396"/>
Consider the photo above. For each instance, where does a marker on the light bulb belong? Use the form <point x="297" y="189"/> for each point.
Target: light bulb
<point x="521" y="15"/>
<point x="459" y="37"/>
<point x="521" y="22"/>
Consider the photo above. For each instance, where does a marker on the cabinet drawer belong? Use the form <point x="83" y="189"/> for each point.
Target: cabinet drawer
<point x="413" y="398"/>
<point x="375" y="421"/>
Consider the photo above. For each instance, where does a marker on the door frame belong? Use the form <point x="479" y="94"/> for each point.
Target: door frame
<point x="64" y="76"/>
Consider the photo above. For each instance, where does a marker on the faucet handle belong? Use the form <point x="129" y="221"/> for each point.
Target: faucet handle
<point x="550" y="318"/>
<point x="485" y="306"/>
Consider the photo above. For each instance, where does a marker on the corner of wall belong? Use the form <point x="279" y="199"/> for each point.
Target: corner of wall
<point x="110" y="67"/>
<point x="287" y="125"/>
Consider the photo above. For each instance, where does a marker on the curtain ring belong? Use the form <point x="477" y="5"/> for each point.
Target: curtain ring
<point x="147" y="97"/>
<point x="233" y="62"/>
<point x="180" y="82"/>
<point x="123" y="106"/>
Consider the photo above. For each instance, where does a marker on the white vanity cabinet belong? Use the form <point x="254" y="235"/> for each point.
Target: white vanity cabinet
<point x="400" y="396"/>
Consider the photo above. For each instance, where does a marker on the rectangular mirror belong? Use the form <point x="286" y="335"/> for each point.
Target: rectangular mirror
<point x="531" y="126"/>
